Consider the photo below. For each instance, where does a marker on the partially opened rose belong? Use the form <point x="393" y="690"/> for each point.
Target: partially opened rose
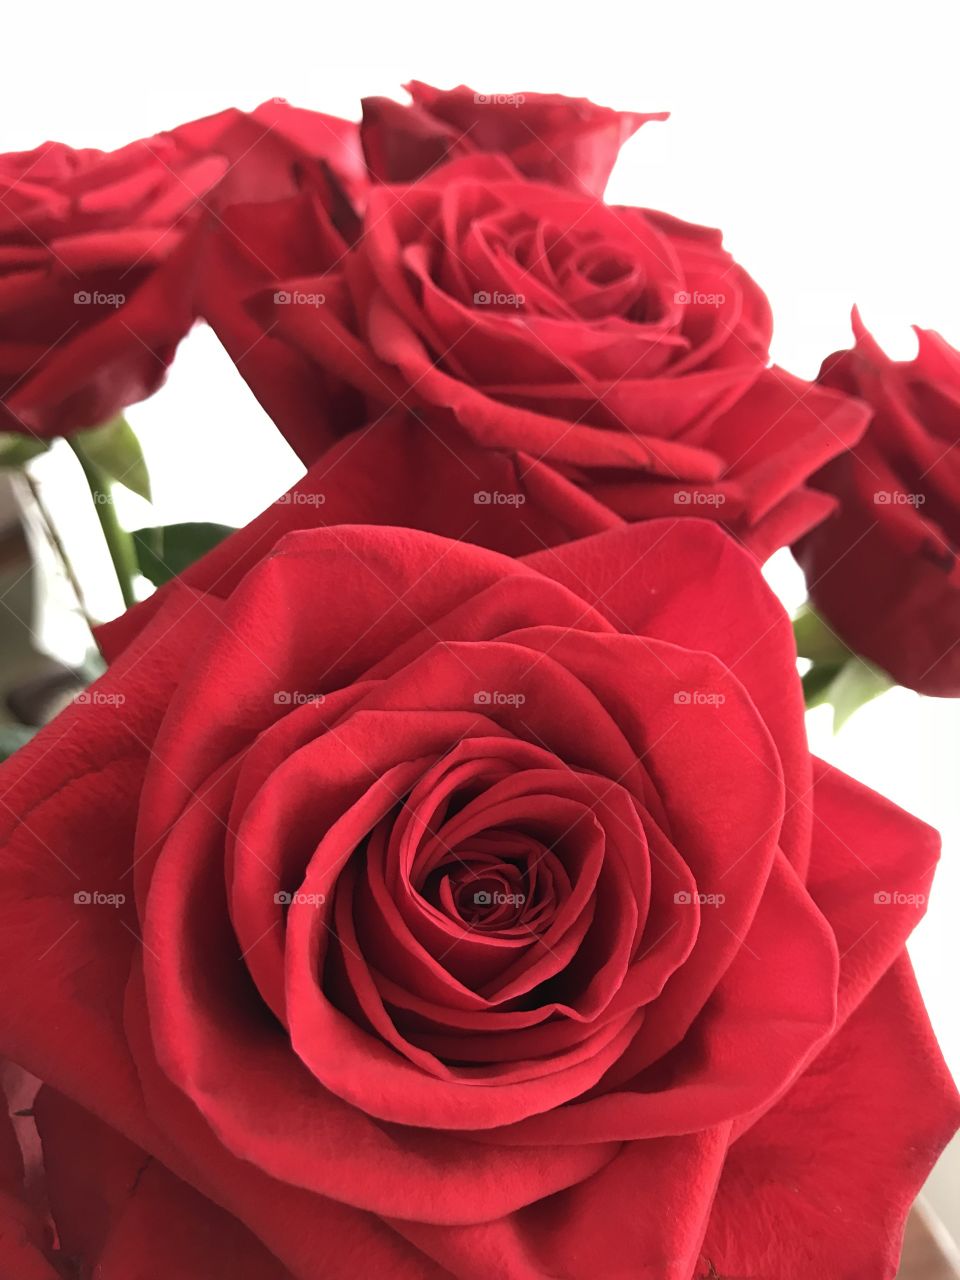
<point x="569" y="141"/>
<point x="883" y="570"/>
<point x="435" y="913"/>
<point x="99" y="252"/>
<point x="624" y="349"/>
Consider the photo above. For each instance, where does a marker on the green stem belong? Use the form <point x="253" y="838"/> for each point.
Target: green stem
<point x="816" y="641"/>
<point x="53" y="537"/>
<point x="119" y="542"/>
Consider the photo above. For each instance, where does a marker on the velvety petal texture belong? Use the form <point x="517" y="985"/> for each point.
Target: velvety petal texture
<point x="395" y="906"/>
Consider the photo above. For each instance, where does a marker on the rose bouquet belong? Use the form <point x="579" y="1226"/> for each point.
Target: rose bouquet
<point x="438" y="881"/>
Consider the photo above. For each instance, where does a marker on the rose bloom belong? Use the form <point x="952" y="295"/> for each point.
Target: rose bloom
<point x="394" y="907"/>
<point x="568" y="141"/>
<point x="98" y="256"/>
<point x="620" y="348"/>
<point x="883" y="570"/>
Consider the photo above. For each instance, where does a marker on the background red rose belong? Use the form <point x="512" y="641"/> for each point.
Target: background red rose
<point x="268" y="766"/>
<point x="620" y="347"/>
<point x="568" y="141"/>
<point x="98" y="252"/>
<point x="95" y="278"/>
<point x="883" y="570"/>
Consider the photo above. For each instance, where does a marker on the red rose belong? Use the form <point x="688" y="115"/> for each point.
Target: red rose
<point x="97" y="271"/>
<point x="620" y="348"/>
<point x="883" y="571"/>
<point x="568" y="141"/>
<point x="436" y="913"/>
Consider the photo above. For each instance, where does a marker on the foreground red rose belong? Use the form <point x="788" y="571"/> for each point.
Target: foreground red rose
<point x="883" y="570"/>
<point x="98" y="259"/>
<point x="568" y="141"/>
<point x="621" y="347"/>
<point x="440" y="914"/>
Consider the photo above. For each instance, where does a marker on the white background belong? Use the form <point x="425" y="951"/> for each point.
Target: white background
<point x="821" y="137"/>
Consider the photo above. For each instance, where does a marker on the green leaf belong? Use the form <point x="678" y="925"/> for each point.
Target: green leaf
<point x="845" y="686"/>
<point x="816" y="683"/>
<point x="12" y="737"/>
<point x="857" y="683"/>
<point x="166" y="551"/>
<point x="115" y="449"/>
<point x="816" y="641"/>
<point x="15" y="449"/>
